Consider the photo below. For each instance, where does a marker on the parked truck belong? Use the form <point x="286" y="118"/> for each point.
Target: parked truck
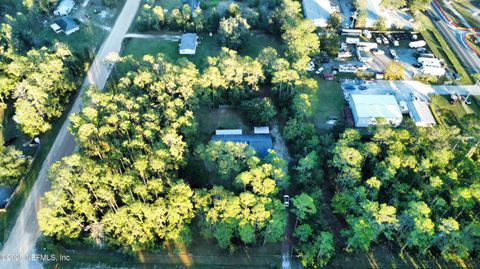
<point x="417" y="44"/>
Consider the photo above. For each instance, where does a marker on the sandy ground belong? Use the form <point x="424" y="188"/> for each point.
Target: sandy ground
<point x="24" y="234"/>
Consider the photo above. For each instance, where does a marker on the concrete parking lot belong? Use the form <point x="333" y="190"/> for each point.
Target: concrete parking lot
<point x="403" y="89"/>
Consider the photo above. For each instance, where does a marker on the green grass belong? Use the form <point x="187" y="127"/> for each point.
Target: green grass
<point x="211" y="119"/>
<point x="85" y="41"/>
<point x="451" y="114"/>
<point x="330" y="101"/>
<point x="437" y="44"/>
<point x="169" y="4"/>
<point x="208" y="46"/>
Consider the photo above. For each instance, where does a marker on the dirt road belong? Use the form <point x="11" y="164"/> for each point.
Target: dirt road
<point x="24" y="234"/>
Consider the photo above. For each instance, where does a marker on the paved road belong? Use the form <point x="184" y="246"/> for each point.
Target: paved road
<point x="455" y="38"/>
<point x="23" y="237"/>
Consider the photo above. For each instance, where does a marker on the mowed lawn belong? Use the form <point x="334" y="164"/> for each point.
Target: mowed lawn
<point x="209" y="46"/>
<point x="451" y="114"/>
<point x="330" y="102"/>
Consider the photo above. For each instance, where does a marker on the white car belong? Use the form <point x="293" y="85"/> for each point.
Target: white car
<point x="286" y="200"/>
<point x="378" y="40"/>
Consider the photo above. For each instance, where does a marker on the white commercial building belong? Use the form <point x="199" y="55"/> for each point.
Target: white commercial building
<point x="64" y="8"/>
<point x="421" y="114"/>
<point x="366" y="109"/>
<point x="318" y="11"/>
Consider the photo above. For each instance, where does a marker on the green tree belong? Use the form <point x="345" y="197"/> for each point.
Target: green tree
<point x="394" y="71"/>
<point x="259" y="111"/>
<point x="13" y="165"/>
<point x="233" y="32"/>
<point x="303" y="205"/>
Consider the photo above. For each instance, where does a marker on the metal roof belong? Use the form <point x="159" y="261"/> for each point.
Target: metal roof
<point x="66" y="23"/>
<point x="375" y="106"/>
<point x="420" y="113"/>
<point x="188" y="42"/>
<point x="261" y="143"/>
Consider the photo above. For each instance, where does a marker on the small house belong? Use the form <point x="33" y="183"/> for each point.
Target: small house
<point x="65" y="24"/>
<point x="188" y="44"/>
<point x="261" y="143"/>
<point x="64" y="8"/>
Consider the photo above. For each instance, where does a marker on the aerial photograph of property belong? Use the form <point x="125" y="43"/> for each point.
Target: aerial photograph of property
<point x="239" y="134"/>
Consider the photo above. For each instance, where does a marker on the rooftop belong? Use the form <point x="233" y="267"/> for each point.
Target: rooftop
<point x="317" y="10"/>
<point x="66" y="23"/>
<point x="261" y="143"/>
<point x="376" y="106"/>
<point x="420" y="113"/>
<point x="188" y="42"/>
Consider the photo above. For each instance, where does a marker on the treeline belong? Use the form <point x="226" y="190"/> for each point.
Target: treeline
<point x="38" y="84"/>
<point x="416" y="186"/>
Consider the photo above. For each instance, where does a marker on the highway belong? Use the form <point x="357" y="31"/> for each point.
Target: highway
<point x="455" y="38"/>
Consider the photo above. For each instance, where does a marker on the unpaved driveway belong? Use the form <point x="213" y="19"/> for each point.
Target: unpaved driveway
<point x="24" y="234"/>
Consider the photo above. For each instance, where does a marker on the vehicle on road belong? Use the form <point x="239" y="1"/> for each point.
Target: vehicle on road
<point x="286" y="200"/>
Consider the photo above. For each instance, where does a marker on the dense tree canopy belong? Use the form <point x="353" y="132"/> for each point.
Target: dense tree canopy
<point x="418" y="186"/>
<point x="122" y="188"/>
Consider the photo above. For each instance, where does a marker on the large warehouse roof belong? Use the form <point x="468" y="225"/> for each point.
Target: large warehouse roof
<point x="317" y="10"/>
<point x="420" y="113"/>
<point x="376" y="106"/>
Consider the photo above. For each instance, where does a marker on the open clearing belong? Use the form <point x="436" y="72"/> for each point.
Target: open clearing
<point x="208" y="46"/>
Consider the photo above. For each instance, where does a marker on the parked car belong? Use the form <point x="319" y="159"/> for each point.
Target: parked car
<point x="286" y="200"/>
<point x="377" y="52"/>
<point x="378" y="40"/>
<point x="385" y="40"/>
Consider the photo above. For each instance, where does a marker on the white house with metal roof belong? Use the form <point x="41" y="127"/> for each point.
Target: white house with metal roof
<point x="366" y="109"/>
<point x="64" y="24"/>
<point x="64" y="8"/>
<point x="188" y="43"/>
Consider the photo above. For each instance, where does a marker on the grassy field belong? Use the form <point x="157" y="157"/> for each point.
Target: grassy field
<point x="225" y="118"/>
<point x="440" y="47"/>
<point x="330" y="102"/>
<point x="451" y="114"/>
<point x="208" y="46"/>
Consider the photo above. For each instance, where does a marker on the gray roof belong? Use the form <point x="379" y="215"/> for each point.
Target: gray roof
<point x="261" y="143"/>
<point x="189" y="41"/>
<point x="66" y="23"/>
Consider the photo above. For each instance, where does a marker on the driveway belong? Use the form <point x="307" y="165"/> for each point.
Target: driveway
<point x="24" y="234"/>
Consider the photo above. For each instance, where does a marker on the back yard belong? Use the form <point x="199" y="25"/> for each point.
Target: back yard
<point x="208" y="46"/>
